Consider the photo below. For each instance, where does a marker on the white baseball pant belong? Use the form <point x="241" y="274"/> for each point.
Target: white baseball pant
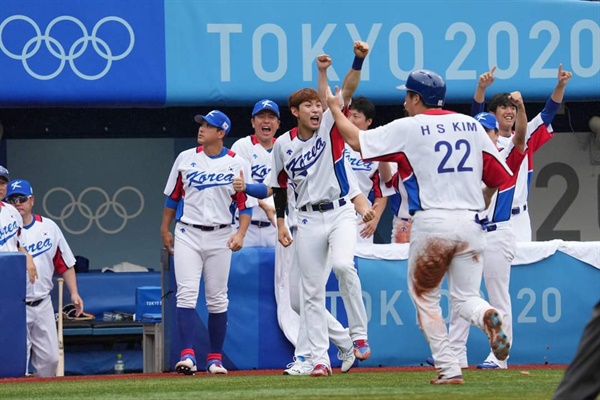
<point x="257" y="236"/>
<point x="497" y="258"/>
<point x="202" y="253"/>
<point x="338" y="335"/>
<point x="521" y="224"/>
<point x="318" y="234"/>
<point x="464" y="278"/>
<point x="42" y="339"/>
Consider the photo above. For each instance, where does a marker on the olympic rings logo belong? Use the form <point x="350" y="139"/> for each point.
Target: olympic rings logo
<point x="94" y="216"/>
<point x="55" y="48"/>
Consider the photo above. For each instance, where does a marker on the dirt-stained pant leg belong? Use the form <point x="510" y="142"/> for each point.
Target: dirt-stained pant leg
<point x="445" y="241"/>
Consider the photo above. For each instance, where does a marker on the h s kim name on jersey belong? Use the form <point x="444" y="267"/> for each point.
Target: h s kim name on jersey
<point x="456" y="127"/>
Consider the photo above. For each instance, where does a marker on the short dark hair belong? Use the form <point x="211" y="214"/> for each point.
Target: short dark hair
<point x="363" y="105"/>
<point x="499" y="100"/>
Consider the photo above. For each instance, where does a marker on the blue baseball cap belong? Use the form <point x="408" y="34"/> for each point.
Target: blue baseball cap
<point x="4" y="173"/>
<point x="265" y="104"/>
<point x="215" y="118"/>
<point x="19" y="186"/>
<point x="488" y="120"/>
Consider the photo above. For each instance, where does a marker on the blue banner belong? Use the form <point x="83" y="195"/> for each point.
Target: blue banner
<point x="235" y="54"/>
<point x="76" y="53"/>
<point x="232" y="52"/>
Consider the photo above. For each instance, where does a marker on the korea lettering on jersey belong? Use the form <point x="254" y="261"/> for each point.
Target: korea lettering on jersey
<point x="11" y="232"/>
<point x="454" y="143"/>
<point x="51" y="253"/>
<point x="316" y="166"/>
<point x="537" y="135"/>
<point x="500" y="206"/>
<point x="367" y="176"/>
<point x="203" y="186"/>
<point x="259" y="158"/>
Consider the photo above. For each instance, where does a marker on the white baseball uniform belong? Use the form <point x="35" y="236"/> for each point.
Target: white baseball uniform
<point x="11" y="232"/>
<point x="261" y="231"/>
<point x="326" y="223"/>
<point x="201" y="186"/>
<point x="51" y="254"/>
<point x="497" y="258"/>
<point x="442" y="158"/>
<point x="538" y="133"/>
<point x="369" y="182"/>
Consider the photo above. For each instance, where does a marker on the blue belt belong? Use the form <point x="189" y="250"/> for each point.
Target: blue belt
<point x="490" y="227"/>
<point x="206" y="228"/>
<point x="261" y="224"/>
<point x="517" y="210"/>
<point x="322" y="207"/>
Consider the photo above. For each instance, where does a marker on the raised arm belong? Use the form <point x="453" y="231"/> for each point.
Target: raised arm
<point x="323" y="62"/>
<point x="361" y="50"/>
<point x="485" y="80"/>
<point x="551" y="107"/>
<point x="521" y="122"/>
<point x="559" y="91"/>
<point x="347" y="129"/>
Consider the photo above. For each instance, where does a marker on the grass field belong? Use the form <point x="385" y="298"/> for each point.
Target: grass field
<point x="508" y="384"/>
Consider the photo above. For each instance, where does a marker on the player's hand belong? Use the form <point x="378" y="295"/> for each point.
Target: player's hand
<point x="283" y="236"/>
<point x="167" y="241"/>
<point x="370" y="214"/>
<point x="31" y="269"/>
<point x="323" y="62"/>
<point x="78" y="303"/>
<point x="563" y="76"/>
<point x="486" y="79"/>
<point x="236" y="241"/>
<point x="334" y="101"/>
<point x="239" y="185"/>
<point x="369" y="228"/>
<point x="361" y="49"/>
<point x="516" y="99"/>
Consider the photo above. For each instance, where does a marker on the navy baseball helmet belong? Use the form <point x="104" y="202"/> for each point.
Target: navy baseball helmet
<point x="429" y="85"/>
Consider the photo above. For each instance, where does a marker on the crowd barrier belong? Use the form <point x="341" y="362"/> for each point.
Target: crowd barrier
<point x="554" y="286"/>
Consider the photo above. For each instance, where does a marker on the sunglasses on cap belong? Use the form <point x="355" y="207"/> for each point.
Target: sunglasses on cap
<point x="17" y="199"/>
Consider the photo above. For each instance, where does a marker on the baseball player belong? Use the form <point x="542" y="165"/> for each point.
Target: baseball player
<point x="361" y="113"/>
<point x="442" y="158"/>
<point x="539" y="132"/>
<point x="500" y="238"/>
<point x="338" y="335"/>
<point x="52" y="254"/>
<point x="12" y="235"/>
<point x="311" y="156"/>
<point x="199" y="194"/>
<point x="256" y="149"/>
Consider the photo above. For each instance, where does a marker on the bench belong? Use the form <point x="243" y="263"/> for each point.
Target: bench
<point x="105" y="292"/>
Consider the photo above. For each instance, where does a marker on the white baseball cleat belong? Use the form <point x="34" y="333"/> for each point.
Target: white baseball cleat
<point x="347" y="357"/>
<point x="300" y="366"/>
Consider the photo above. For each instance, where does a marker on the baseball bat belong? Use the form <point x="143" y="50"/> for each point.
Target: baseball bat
<point x="60" y="370"/>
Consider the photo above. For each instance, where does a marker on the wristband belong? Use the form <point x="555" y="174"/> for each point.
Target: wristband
<point x="258" y="190"/>
<point x="357" y="63"/>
